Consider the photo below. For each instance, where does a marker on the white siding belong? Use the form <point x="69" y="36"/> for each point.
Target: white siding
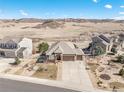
<point x="25" y="53"/>
<point x="51" y="57"/>
<point x="27" y="43"/>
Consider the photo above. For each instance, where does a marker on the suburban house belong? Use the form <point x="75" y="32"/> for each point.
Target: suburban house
<point x="119" y="44"/>
<point x="120" y="39"/>
<point x="108" y="43"/>
<point x="104" y="41"/>
<point x="64" y="51"/>
<point x="15" y="47"/>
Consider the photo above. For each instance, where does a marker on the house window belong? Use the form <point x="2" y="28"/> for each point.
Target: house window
<point x="2" y="53"/>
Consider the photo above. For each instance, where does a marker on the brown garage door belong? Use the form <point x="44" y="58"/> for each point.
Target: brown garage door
<point x="68" y="58"/>
<point x="79" y="57"/>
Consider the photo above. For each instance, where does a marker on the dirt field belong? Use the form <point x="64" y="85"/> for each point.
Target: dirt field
<point x="70" y="29"/>
<point x="47" y="71"/>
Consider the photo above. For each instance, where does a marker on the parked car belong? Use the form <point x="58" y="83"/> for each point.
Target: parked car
<point x="42" y="58"/>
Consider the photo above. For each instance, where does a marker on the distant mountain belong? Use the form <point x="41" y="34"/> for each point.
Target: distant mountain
<point x="26" y="20"/>
<point x="29" y="20"/>
<point x="50" y="24"/>
<point x="33" y="20"/>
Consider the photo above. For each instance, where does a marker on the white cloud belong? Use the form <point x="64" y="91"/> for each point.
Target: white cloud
<point x="108" y="6"/>
<point x="119" y="18"/>
<point x="96" y="1"/>
<point x="23" y="13"/>
<point x="121" y="13"/>
<point x="122" y="6"/>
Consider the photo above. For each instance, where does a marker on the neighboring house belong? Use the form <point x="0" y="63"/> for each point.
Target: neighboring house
<point x="15" y="47"/>
<point x="119" y="44"/>
<point x="103" y="41"/>
<point x="120" y="39"/>
<point x="64" y="51"/>
<point x="108" y="43"/>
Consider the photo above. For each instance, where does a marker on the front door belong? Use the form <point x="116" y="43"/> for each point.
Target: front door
<point x="2" y="54"/>
<point x="58" y="57"/>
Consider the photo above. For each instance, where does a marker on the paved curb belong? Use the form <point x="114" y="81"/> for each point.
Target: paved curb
<point x="54" y="83"/>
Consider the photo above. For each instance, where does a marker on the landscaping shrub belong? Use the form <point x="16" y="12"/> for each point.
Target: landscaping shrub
<point x="17" y="61"/>
<point x="40" y="69"/>
<point x="120" y="59"/>
<point x="43" y="47"/>
<point x="99" y="83"/>
<point x="114" y="50"/>
<point x="121" y="72"/>
<point x="98" y="51"/>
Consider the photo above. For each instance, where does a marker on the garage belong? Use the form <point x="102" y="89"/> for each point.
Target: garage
<point x="65" y="51"/>
<point x="79" y="57"/>
<point x="68" y="57"/>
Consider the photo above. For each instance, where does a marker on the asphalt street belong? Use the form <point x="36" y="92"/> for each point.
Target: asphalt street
<point x="18" y="86"/>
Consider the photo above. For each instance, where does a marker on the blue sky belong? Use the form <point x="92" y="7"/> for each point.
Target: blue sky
<point x="97" y="9"/>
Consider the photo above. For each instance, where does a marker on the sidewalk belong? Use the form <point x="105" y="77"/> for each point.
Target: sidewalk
<point x="41" y="81"/>
<point x="60" y="84"/>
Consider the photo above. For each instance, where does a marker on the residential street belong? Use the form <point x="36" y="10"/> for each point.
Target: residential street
<point x="18" y="86"/>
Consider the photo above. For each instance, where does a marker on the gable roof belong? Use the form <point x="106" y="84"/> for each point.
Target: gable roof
<point x="102" y="38"/>
<point x="105" y="38"/>
<point x="10" y="40"/>
<point x="64" y="48"/>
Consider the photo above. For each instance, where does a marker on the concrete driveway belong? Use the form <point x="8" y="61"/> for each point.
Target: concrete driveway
<point x="76" y="74"/>
<point x="4" y="63"/>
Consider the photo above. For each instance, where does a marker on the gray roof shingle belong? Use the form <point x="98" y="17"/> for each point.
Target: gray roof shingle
<point x="64" y="48"/>
<point x="11" y="40"/>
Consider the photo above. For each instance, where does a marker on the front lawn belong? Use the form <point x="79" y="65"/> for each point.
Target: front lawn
<point x="46" y="71"/>
<point x="18" y="72"/>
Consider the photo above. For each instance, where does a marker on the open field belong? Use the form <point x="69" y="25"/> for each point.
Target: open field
<point x="55" y="30"/>
<point x="68" y="31"/>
